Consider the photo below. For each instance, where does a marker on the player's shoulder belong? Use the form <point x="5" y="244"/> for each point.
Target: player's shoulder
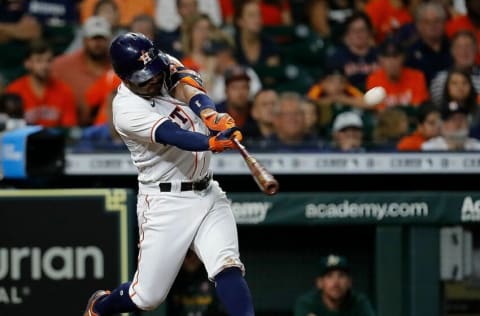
<point x="125" y="96"/>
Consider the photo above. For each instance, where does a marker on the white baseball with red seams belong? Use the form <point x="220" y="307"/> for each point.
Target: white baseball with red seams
<point x="375" y="96"/>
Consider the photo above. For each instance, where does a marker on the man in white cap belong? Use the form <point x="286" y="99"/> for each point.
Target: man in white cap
<point x="81" y="68"/>
<point x="347" y="133"/>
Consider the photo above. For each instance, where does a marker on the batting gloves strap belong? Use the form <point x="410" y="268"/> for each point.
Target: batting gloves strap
<point x="217" y="121"/>
<point x="223" y="140"/>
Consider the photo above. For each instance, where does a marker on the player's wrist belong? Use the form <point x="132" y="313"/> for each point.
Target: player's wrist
<point x="201" y="102"/>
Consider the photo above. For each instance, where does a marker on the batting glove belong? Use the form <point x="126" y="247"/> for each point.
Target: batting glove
<point x="223" y="140"/>
<point x="217" y="121"/>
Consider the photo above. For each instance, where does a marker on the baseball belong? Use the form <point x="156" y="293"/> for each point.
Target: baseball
<point x="375" y="95"/>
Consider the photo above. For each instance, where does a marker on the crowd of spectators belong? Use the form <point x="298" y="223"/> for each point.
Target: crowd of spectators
<point x="292" y="73"/>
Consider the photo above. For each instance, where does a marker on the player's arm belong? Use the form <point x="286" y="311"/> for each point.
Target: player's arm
<point x="170" y="133"/>
<point x="204" y="107"/>
<point x="186" y="85"/>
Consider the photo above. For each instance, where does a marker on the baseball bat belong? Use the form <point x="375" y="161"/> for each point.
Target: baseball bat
<point x="264" y="179"/>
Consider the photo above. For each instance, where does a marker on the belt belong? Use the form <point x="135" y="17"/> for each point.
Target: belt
<point x="199" y="185"/>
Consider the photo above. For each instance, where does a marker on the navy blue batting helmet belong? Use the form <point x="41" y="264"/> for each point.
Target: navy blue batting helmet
<point x="136" y="59"/>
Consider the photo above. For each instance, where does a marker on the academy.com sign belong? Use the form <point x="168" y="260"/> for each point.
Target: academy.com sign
<point x="378" y="211"/>
<point x="339" y="207"/>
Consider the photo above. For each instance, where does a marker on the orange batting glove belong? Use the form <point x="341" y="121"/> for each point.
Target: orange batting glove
<point x="223" y="140"/>
<point x="217" y="121"/>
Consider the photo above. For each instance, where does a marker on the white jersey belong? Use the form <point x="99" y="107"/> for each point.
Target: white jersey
<point x="136" y="120"/>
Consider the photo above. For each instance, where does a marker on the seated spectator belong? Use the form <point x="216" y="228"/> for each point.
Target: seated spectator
<point x="405" y="86"/>
<point x="357" y="53"/>
<point x="347" y="133"/>
<point x="253" y="48"/>
<point x="192" y="292"/>
<point x="427" y="127"/>
<point x="463" y="48"/>
<point x="391" y="126"/>
<point x="82" y="67"/>
<point x="237" y="102"/>
<point x="454" y="131"/>
<point x="289" y="126"/>
<point x="333" y="292"/>
<point x="46" y="101"/>
<point x="198" y="32"/>
<point x="469" y="21"/>
<point x="459" y="88"/>
<point x="430" y="52"/>
<point x="262" y="112"/>
<point x="334" y="94"/>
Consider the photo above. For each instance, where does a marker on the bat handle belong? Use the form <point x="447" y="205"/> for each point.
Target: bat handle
<point x="238" y="144"/>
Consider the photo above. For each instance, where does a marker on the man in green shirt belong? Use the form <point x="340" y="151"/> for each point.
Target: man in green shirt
<point x="333" y="294"/>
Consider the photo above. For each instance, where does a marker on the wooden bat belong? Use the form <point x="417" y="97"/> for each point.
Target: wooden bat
<point x="264" y="179"/>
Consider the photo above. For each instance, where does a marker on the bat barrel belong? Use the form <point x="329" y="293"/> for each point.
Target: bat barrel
<point x="271" y="187"/>
<point x="265" y="181"/>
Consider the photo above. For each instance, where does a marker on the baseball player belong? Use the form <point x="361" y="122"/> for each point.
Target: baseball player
<point x="171" y="128"/>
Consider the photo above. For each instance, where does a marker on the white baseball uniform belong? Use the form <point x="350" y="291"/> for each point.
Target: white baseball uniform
<point x="171" y="222"/>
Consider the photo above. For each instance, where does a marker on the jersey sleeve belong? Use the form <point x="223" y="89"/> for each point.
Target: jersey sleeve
<point x="132" y="119"/>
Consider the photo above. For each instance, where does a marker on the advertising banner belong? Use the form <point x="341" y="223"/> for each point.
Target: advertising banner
<point x="58" y="246"/>
<point x="357" y="208"/>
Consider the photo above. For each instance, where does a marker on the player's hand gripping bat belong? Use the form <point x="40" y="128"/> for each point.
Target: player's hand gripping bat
<point x="265" y="180"/>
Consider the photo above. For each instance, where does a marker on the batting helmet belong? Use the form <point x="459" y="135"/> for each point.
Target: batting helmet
<point x="136" y="59"/>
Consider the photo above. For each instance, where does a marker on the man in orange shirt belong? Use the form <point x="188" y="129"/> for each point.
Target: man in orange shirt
<point x="428" y="126"/>
<point x="81" y="68"/>
<point x="405" y="86"/>
<point x="46" y="101"/>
